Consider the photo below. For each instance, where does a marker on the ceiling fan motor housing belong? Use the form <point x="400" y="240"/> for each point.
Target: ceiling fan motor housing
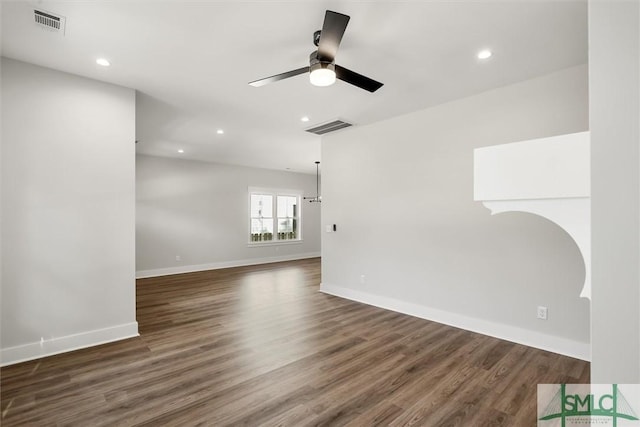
<point x="315" y="63"/>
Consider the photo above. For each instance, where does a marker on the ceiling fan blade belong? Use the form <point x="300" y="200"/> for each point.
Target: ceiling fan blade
<point x="277" y="77"/>
<point x="332" y="31"/>
<point x="356" y="79"/>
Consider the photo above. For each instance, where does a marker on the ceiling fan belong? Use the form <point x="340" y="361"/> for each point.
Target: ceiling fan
<point x="322" y="68"/>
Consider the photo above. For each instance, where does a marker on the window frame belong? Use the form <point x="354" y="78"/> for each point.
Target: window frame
<point x="275" y="193"/>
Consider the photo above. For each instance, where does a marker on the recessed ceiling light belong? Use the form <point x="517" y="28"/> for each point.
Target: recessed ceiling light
<point x="305" y="119"/>
<point x="102" y="61"/>
<point x="219" y="131"/>
<point x="484" y="54"/>
<point x="181" y="151"/>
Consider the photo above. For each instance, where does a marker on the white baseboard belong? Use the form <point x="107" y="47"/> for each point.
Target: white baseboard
<point x="567" y="347"/>
<point x="36" y="350"/>
<point x="224" y="264"/>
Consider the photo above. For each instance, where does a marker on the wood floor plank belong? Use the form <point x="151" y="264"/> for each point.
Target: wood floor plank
<point x="260" y="346"/>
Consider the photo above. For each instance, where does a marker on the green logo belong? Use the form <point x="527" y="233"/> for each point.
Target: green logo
<point x="611" y="405"/>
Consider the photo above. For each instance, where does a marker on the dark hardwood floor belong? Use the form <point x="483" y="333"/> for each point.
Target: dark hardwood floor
<point x="261" y="346"/>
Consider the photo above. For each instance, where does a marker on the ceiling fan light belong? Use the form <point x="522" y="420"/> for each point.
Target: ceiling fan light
<point x="322" y="77"/>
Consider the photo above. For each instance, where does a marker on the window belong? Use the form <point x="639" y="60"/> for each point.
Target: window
<point x="274" y="216"/>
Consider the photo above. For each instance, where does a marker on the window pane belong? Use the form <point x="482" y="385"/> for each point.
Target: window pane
<point x="285" y="224"/>
<point x="261" y="205"/>
<point x="261" y="225"/>
<point x="287" y="206"/>
<point x="261" y="229"/>
<point x="287" y="228"/>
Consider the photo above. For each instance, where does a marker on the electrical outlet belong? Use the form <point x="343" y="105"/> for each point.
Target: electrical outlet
<point x="363" y="279"/>
<point x="542" y="312"/>
<point x="178" y="258"/>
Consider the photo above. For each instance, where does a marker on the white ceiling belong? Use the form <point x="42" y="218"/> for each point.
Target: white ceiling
<point x="190" y="62"/>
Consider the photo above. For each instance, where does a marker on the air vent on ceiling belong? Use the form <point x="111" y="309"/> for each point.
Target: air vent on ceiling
<point x="329" y="127"/>
<point x="49" y="21"/>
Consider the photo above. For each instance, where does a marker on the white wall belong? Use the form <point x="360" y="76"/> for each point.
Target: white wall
<point x="67" y="212"/>
<point x="614" y="82"/>
<point x="199" y="211"/>
<point x="401" y="194"/>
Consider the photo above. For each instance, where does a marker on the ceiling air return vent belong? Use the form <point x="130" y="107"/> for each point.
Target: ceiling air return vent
<point x="329" y="127"/>
<point x="49" y="21"/>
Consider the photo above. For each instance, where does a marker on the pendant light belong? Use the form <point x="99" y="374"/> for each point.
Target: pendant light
<point x="317" y="197"/>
